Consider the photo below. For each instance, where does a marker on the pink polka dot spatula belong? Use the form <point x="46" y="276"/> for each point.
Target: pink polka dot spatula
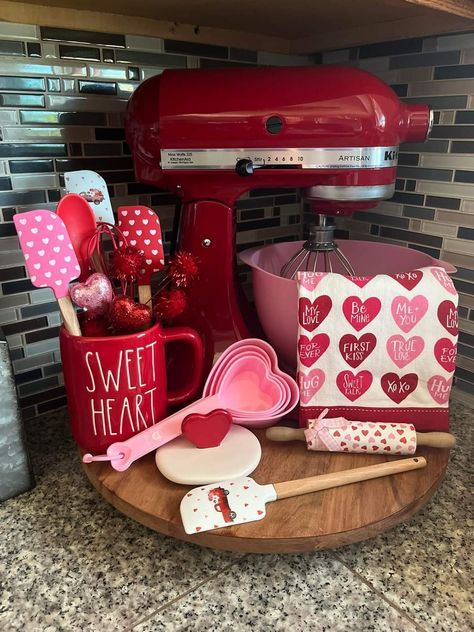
<point x="50" y="258"/>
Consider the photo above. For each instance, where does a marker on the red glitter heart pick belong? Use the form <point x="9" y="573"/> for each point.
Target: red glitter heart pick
<point x="128" y="317"/>
<point x="207" y="431"/>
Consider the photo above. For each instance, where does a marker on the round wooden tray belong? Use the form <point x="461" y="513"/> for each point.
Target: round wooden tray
<point x="321" y="520"/>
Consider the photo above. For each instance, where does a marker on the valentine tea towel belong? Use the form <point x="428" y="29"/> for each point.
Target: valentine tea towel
<point x="379" y="348"/>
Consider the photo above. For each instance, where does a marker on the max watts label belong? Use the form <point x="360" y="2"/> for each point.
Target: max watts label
<point x="133" y="373"/>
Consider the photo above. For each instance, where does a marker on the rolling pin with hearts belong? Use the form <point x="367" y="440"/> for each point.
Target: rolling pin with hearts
<point x="341" y="435"/>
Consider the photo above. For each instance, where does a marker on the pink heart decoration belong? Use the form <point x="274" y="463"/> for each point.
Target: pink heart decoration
<point x="445" y="354"/>
<point x="402" y="350"/>
<point x="94" y="295"/>
<point x="310" y="384"/>
<point x="310" y="280"/>
<point x="407" y="313"/>
<point x="439" y="388"/>
<point x="310" y="350"/>
<point x="444" y="280"/>
<point x="360" y="313"/>
<point x="353" y="385"/>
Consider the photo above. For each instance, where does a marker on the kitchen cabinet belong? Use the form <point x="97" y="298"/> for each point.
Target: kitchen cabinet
<point x="297" y="27"/>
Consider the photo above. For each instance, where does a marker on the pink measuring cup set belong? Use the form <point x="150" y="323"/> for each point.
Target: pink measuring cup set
<point x="245" y="380"/>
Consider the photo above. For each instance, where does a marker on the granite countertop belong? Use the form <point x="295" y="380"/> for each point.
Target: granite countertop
<point x="69" y="561"/>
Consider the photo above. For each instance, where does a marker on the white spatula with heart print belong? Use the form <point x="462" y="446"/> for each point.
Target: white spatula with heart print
<point x="243" y="500"/>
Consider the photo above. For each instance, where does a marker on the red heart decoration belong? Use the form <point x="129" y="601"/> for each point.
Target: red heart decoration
<point x="128" y="317"/>
<point x="360" y="313"/>
<point x="408" y="280"/>
<point x="398" y="388"/>
<point x="353" y="386"/>
<point x="312" y="314"/>
<point x="355" y="350"/>
<point x="445" y="354"/>
<point x="360" y="281"/>
<point x="207" y="431"/>
<point x="448" y="317"/>
<point x="311" y="350"/>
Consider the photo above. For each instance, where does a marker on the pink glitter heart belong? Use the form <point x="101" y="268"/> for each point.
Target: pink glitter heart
<point x="94" y="295"/>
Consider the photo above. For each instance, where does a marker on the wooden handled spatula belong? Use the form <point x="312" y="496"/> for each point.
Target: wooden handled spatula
<point x="50" y="258"/>
<point x="243" y="500"/>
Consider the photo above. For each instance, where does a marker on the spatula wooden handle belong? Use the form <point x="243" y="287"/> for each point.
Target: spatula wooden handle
<point x="69" y="316"/>
<point x="346" y="477"/>
<point x="144" y="295"/>
<point x="431" y="439"/>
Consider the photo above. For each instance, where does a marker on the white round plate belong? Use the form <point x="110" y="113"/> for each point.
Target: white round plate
<point x="238" y="455"/>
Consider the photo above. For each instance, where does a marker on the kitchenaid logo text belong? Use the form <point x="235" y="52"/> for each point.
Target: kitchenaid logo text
<point x="389" y="156"/>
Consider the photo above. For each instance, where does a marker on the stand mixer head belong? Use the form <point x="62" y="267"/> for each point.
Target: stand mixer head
<point x="211" y="135"/>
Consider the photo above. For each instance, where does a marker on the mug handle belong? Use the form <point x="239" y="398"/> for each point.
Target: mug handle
<point x="190" y="336"/>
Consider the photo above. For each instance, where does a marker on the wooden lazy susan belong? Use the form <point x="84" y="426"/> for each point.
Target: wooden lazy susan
<point x="321" y="520"/>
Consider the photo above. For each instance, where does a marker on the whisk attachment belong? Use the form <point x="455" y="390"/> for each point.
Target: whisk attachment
<point x="320" y="246"/>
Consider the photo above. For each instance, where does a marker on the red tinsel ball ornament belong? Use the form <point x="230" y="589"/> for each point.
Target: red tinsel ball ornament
<point x="126" y="263"/>
<point x="183" y="268"/>
<point x="94" y="326"/>
<point x="128" y="317"/>
<point x="169" y="304"/>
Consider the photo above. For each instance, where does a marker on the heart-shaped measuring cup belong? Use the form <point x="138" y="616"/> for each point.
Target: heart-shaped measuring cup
<point x="280" y="385"/>
<point x="251" y="389"/>
<point x="224" y="359"/>
<point x="253" y="345"/>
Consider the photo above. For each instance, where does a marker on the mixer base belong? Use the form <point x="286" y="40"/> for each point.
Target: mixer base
<point x="323" y="520"/>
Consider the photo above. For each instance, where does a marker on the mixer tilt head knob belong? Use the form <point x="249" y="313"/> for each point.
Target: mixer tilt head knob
<point x="244" y="167"/>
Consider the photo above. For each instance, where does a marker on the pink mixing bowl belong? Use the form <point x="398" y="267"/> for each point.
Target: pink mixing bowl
<point x="276" y="298"/>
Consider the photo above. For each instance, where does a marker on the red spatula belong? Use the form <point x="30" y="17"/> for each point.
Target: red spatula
<point x="243" y="500"/>
<point x="50" y="258"/>
<point x="80" y="222"/>
<point x="141" y="226"/>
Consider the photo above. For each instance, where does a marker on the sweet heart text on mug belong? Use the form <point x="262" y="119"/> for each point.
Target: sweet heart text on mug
<point x="122" y="391"/>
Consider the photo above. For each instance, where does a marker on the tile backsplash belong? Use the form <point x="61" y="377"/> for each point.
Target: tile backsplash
<point x="62" y="98"/>
<point x="433" y="206"/>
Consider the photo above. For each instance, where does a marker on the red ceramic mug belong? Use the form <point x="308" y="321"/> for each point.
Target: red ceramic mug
<point x="116" y="386"/>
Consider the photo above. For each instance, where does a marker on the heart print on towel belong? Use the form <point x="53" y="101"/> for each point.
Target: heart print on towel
<point x="398" y="388"/>
<point x="354" y="385"/>
<point x="448" y="317"/>
<point x="311" y="350"/>
<point x="310" y="280"/>
<point x="402" y="350"/>
<point x="444" y="280"/>
<point x="408" y="313"/>
<point x="445" y="354"/>
<point x="355" y="350"/>
<point x="312" y="314"/>
<point x="409" y="280"/>
<point x="360" y="313"/>
<point x="310" y="384"/>
<point x="439" y="388"/>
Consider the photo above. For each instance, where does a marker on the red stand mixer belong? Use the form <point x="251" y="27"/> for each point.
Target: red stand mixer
<point x="211" y="135"/>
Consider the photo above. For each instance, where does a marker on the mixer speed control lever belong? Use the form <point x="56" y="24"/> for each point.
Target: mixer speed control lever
<point x="244" y="167"/>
